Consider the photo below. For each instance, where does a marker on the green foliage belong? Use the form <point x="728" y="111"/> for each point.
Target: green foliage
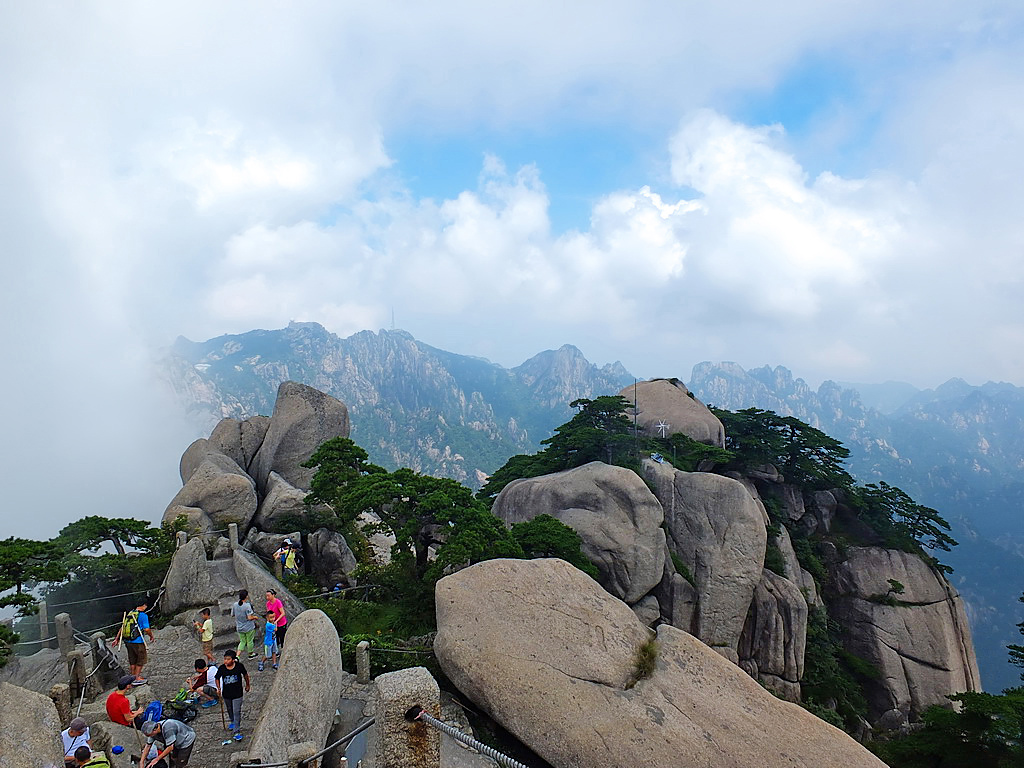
<point x="685" y="453"/>
<point x="387" y="653"/>
<point x="809" y="560"/>
<point x="90" y="533"/>
<point x="600" y="431"/>
<point x="986" y="733"/>
<point x="473" y="535"/>
<point x="337" y="462"/>
<point x="644" y="662"/>
<point x="773" y="558"/>
<point x="24" y="562"/>
<point x="546" y="536"/>
<point x="900" y="522"/>
<point x="806" y="456"/>
<point x="828" y="681"/>
<point x="1017" y="651"/>
<point x="681" y="567"/>
<point x="7" y="640"/>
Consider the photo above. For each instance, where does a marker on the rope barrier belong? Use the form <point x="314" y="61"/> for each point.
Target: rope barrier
<point x="33" y="642"/>
<point x="306" y="761"/>
<point x="417" y="713"/>
<point x="94" y="599"/>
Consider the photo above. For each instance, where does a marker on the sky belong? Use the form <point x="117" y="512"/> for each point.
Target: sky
<point x="833" y="187"/>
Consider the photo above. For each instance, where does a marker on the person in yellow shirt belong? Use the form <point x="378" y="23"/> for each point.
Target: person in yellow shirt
<point x="205" y="633"/>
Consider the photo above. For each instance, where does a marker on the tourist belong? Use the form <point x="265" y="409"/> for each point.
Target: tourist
<point x="274" y="604"/>
<point x="245" y="623"/>
<point x="178" y="740"/>
<point x="205" y="633"/>
<point x="119" y="708"/>
<point x="269" y="641"/>
<point x="229" y="676"/>
<point x="76" y="735"/>
<point x="134" y="628"/>
<point x="204" y="682"/>
<point x="85" y="757"/>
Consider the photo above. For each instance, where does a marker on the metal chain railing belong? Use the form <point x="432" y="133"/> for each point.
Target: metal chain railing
<point x="306" y="761"/>
<point x="418" y="713"/>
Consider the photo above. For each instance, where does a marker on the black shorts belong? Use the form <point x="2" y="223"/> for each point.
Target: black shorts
<point x="180" y="756"/>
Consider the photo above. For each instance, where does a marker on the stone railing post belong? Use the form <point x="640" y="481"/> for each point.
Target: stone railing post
<point x="180" y="539"/>
<point x="60" y="695"/>
<point x="278" y="568"/>
<point x="65" y="634"/>
<point x="400" y="743"/>
<point x="44" y="625"/>
<point x="299" y="752"/>
<point x="233" y="535"/>
<point x="76" y="673"/>
<point x="363" y="662"/>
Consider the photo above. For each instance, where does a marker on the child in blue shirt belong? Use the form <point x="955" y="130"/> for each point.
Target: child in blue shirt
<point x="269" y="641"/>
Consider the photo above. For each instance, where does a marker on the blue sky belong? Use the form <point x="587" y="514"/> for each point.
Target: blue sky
<point x="833" y="187"/>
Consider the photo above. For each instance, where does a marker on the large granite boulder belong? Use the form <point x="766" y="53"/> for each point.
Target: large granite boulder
<point x="196" y="521"/>
<point x="717" y="529"/>
<point x="669" y="402"/>
<point x="218" y="487"/>
<point x="281" y="500"/>
<point x="31" y="729"/>
<point x="330" y="558"/>
<point x="615" y="514"/>
<point x="240" y="440"/>
<point x="775" y="635"/>
<point x="38" y="672"/>
<point x="266" y="544"/>
<point x="304" y="696"/>
<point x="552" y="657"/>
<point x="188" y="579"/>
<point x="303" y="419"/>
<point x="257" y="579"/>
<point x="918" y="639"/>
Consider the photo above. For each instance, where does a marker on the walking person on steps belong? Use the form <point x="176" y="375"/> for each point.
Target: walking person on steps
<point x="245" y="623"/>
<point x="229" y="676"/>
<point x="275" y="605"/>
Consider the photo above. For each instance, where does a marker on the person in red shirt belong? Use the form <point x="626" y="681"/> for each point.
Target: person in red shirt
<point x="119" y="708"/>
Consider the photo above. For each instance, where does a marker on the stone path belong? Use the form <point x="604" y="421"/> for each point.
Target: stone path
<point x="172" y="657"/>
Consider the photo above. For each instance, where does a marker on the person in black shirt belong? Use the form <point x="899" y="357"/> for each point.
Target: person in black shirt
<point x="230" y="675"/>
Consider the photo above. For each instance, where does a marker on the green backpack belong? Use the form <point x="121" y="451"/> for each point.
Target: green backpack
<point x="130" y="629"/>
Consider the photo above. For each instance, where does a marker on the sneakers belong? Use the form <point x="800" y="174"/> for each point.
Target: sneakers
<point x="252" y="655"/>
<point x="140" y="681"/>
<point x="208" y="704"/>
<point x="238" y="737"/>
<point x="275" y="666"/>
<point x="259" y="667"/>
<point x="231" y="726"/>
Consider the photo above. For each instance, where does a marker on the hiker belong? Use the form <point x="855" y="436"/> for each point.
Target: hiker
<point x="229" y="685"/>
<point x="269" y="641"/>
<point x="205" y="633"/>
<point x="76" y="735"/>
<point x="274" y="604"/>
<point x="134" y="627"/>
<point x="152" y="752"/>
<point x="177" y="738"/>
<point x="84" y="756"/>
<point x="204" y="682"/>
<point x="245" y="623"/>
<point x="119" y="708"/>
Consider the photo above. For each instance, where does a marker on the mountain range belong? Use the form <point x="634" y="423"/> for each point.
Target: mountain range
<point x="958" y="448"/>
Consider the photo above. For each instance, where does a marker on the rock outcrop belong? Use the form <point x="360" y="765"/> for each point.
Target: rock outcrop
<point x="188" y="582"/>
<point x="918" y="639"/>
<point x="304" y="696"/>
<point x="219" y="488"/>
<point x="280" y="500"/>
<point x="774" y="636"/>
<point x="331" y="558"/>
<point x="715" y="527"/>
<point x="31" y="729"/>
<point x="553" y="658"/>
<point x="240" y="440"/>
<point x="615" y="514"/>
<point x="303" y="419"/>
<point x="669" y="402"/>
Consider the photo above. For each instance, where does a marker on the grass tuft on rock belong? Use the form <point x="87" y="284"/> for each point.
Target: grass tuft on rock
<point x="644" y="662"/>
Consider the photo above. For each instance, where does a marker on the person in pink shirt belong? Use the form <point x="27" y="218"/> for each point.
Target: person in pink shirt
<point x="274" y="604"/>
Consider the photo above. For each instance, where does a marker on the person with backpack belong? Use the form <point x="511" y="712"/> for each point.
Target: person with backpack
<point x="245" y="623"/>
<point x="134" y="628"/>
<point x="178" y="740"/>
<point x="229" y="676"/>
<point x="84" y="757"/>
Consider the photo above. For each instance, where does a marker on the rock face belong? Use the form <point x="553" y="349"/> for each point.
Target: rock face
<point x="219" y="488"/>
<point x="668" y="401"/>
<point x="31" y="730"/>
<point x="304" y="696"/>
<point x="716" y="529"/>
<point x="258" y="580"/>
<point x="615" y="514"/>
<point x="331" y="559"/>
<point x="540" y="631"/>
<point x="240" y="440"/>
<point x="303" y="419"/>
<point x="280" y="500"/>
<point x="921" y="645"/>
<point x="774" y="636"/>
<point x="188" y="579"/>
